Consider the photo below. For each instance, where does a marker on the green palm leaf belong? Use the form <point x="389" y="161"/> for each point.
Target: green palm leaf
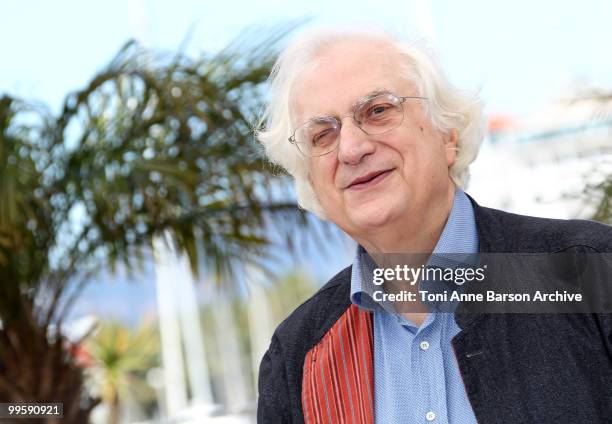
<point x="153" y="146"/>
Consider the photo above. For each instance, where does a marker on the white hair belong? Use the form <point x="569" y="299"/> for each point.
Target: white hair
<point x="448" y="108"/>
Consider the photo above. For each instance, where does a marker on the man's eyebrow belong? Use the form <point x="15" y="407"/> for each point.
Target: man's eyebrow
<point x="362" y="100"/>
<point x="369" y="96"/>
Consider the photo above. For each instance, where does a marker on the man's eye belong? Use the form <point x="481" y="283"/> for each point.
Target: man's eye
<point x="323" y="138"/>
<point x="378" y="110"/>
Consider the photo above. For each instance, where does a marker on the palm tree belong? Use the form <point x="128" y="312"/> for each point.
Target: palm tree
<point x="121" y="358"/>
<point x="154" y="146"/>
<point x="598" y="194"/>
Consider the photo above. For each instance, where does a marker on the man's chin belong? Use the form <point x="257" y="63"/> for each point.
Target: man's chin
<point x="369" y="219"/>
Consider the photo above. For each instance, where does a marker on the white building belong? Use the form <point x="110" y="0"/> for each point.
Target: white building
<point x="541" y="164"/>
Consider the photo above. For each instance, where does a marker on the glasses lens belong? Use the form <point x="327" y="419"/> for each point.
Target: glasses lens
<point x="380" y="114"/>
<point x="318" y="136"/>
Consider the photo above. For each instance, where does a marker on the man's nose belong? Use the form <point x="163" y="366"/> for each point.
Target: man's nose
<point x="353" y="143"/>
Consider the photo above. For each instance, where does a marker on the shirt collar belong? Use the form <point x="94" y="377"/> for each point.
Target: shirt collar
<point x="459" y="236"/>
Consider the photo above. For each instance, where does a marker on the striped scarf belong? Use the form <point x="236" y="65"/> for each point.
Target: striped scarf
<point x="338" y="380"/>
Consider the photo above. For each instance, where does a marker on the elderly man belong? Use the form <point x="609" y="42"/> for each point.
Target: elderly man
<point x="379" y="143"/>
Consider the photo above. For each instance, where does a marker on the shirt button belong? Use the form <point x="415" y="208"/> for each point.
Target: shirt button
<point x="430" y="416"/>
<point x="424" y="346"/>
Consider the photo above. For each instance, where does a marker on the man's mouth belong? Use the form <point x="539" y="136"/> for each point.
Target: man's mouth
<point x="368" y="180"/>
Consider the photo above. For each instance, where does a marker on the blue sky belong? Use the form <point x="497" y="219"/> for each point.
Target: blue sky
<point x="521" y="54"/>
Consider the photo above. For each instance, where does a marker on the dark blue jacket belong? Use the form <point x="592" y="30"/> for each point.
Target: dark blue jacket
<point x="517" y="368"/>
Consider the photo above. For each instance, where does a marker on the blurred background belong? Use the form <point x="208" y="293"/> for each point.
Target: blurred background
<point x="147" y="252"/>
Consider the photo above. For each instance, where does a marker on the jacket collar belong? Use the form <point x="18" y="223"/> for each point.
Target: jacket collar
<point x="498" y="232"/>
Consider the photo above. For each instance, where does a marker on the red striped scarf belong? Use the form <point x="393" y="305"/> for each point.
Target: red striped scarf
<point x="338" y="382"/>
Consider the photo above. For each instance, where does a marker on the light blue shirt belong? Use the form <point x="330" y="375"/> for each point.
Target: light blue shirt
<point x="416" y="376"/>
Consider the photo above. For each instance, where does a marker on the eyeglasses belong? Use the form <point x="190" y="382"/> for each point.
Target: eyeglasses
<point x="374" y="115"/>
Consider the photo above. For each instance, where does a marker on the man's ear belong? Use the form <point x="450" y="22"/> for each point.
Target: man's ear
<point x="450" y="144"/>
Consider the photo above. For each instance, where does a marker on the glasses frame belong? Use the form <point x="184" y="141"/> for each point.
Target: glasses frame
<point x="359" y="104"/>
